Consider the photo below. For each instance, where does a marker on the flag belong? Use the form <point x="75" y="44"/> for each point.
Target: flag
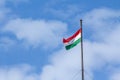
<point x="73" y="40"/>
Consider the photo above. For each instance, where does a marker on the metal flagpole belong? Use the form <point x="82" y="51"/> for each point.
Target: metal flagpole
<point x="82" y="62"/>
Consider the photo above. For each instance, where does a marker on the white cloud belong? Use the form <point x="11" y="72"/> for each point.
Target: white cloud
<point x="96" y="54"/>
<point x="65" y="64"/>
<point x="106" y="28"/>
<point x="37" y="32"/>
<point x="115" y="75"/>
<point x="101" y="21"/>
<point x="19" y="72"/>
<point x="62" y="66"/>
<point x="98" y="18"/>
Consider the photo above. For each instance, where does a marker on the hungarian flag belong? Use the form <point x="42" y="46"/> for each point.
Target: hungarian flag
<point x="73" y="40"/>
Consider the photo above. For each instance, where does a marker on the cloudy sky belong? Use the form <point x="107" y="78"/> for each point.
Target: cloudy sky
<point x="31" y="33"/>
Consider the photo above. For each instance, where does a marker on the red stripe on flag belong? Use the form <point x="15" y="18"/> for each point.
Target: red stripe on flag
<point x="72" y="37"/>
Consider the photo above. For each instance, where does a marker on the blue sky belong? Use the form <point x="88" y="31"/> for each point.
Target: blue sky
<point x="31" y="33"/>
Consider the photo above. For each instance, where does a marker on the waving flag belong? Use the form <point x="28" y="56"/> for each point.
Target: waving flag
<point x="73" y="40"/>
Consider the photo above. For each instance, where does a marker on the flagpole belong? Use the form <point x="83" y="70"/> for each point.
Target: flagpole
<point x="82" y="62"/>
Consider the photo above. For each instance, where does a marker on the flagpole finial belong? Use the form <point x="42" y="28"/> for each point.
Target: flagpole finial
<point x="81" y="22"/>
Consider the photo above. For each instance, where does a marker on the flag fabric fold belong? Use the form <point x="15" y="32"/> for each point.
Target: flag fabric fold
<point x="73" y="40"/>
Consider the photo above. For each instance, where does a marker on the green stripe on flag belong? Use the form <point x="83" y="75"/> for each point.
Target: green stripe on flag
<point x="73" y="44"/>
